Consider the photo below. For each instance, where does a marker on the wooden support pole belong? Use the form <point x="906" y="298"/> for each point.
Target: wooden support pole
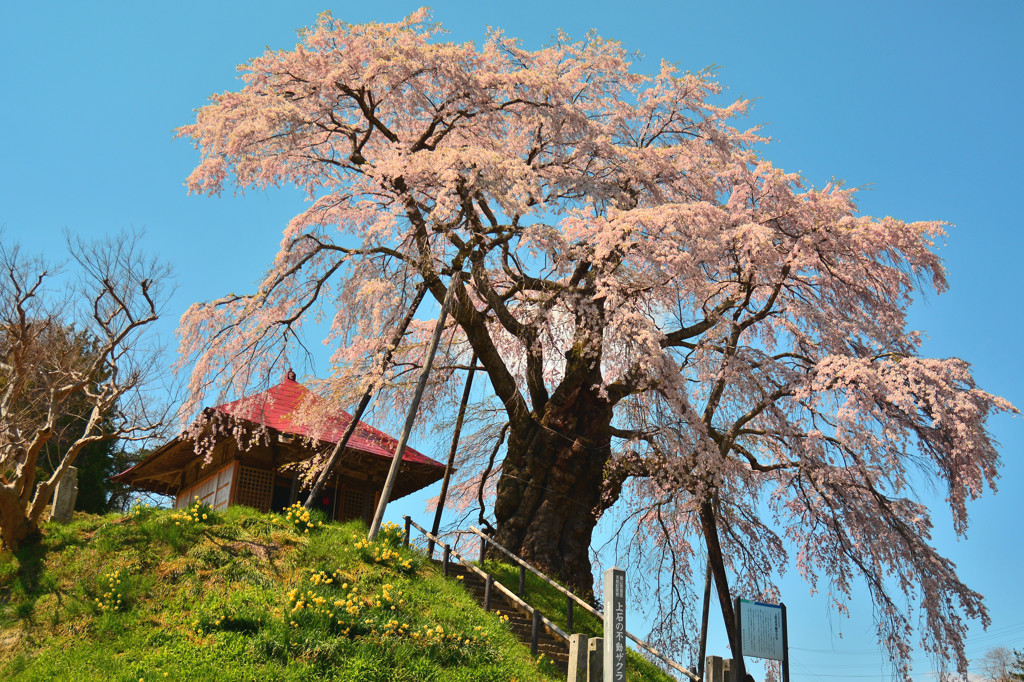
<point x="408" y="529"/>
<point x="739" y="670"/>
<point x="568" y="613"/>
<point x="410" y="419"/>
<point x="703" y="649"/>
<point x="450" y="466"/>
<point x="385" y="360"/>
<point x="446" y="559"/>
<point x="522" y="581"/>
<point x="487" y="594"/>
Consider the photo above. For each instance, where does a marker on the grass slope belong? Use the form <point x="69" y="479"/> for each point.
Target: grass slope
<point x="240" y="595"/>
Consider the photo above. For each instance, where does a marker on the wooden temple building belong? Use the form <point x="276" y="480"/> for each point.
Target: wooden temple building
<point x="256" y="476"/>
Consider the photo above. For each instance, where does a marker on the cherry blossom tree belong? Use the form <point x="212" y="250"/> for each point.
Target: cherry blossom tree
<point x="670" y="324"/>
<point x="75" y="366"/>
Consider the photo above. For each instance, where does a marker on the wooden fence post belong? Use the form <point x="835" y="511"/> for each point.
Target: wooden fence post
<point x="534" y="632"/>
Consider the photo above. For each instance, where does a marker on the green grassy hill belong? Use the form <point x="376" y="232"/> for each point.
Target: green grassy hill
<point x="240" y="595"/>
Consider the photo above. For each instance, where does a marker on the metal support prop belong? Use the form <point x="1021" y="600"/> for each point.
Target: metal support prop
<point x="408" y="529"/>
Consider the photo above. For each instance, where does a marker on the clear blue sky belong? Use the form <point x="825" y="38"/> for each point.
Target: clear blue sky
<point x="920" y="102"/>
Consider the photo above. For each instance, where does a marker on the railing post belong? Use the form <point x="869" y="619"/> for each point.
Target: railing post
<point x="447" y="556"/>
<point x="568" y="613"/>
<point x="487" y="592"/>
<point x="483" y="550"/>
<point x="534" y="632"/>
<point x="408" y="530"/>
<point x="522" y="581"/>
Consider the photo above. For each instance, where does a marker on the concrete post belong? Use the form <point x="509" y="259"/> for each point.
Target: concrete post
<point x="595" y="659"/>
<point x="577" y="658"/>
<point x="714" y="670"/>
<point x="729" y="670"/>
<point x="64" y="496"/>
<point x="718" y="669"/>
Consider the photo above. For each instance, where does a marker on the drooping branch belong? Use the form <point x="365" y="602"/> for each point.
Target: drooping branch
<point x="396" y="337"/>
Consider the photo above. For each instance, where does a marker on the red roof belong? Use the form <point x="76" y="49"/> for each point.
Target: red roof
<point x="274" y="407"/>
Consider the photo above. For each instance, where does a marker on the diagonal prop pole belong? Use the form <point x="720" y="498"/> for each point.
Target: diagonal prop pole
<point x="703" y="648"/>
<point x="389" y="351"/>
<point x="410" y="418"/>
<point x="451" y="456"/>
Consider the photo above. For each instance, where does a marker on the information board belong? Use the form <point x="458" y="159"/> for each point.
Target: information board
<point x="762" y="630"/>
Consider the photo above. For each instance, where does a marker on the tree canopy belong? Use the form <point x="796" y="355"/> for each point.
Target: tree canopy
<point x="670" y="324"/>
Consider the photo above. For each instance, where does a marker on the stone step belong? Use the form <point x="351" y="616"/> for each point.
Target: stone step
<point x="519" y="622"/>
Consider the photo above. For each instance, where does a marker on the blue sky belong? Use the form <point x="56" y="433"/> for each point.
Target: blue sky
<point x="919" y="103"/>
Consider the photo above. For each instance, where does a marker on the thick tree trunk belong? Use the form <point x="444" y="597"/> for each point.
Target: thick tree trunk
<point x="15" y="525"/>
<point x="551" y="483"/>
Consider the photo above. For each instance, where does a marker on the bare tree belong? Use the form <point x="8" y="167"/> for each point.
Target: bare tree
<point x="1002" y="664"/>
<point x="72" y="339"/>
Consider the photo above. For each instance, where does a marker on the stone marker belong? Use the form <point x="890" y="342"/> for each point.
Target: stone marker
<point x="64" y="496"/>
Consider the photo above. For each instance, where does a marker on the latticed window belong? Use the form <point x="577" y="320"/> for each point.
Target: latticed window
<point x="352" y="502"/>
<point x="254" y="488"/>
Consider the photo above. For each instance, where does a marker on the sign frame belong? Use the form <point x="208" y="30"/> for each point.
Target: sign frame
<point x="758" y="614"/>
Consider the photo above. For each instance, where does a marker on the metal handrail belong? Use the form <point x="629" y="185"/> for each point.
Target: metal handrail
<point x="639" y="642"/>
<point x="551" y="627"/>
<point x="536" y="572"/>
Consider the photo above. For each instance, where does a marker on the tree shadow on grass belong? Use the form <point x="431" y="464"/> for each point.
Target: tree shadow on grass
<point x="25" y="584"/>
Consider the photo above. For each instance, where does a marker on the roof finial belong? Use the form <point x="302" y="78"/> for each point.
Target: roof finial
<point x="290" y="374"/>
